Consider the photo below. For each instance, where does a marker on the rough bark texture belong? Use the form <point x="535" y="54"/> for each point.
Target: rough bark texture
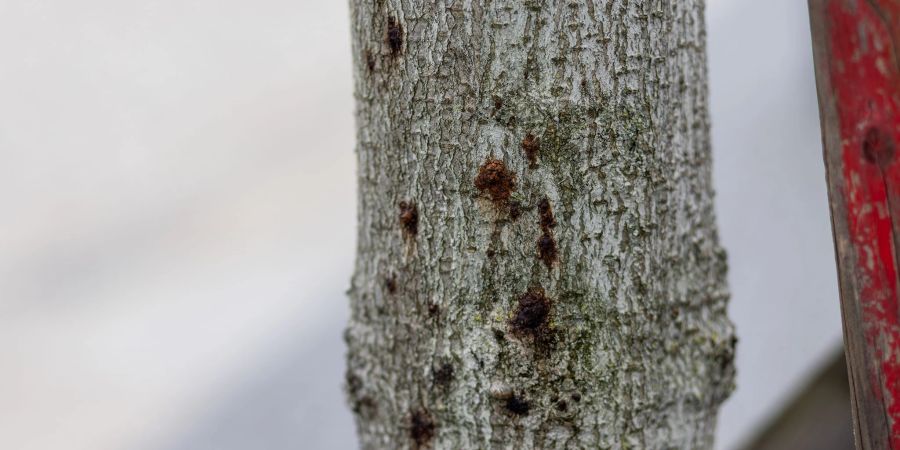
<point x="538" y="264"/>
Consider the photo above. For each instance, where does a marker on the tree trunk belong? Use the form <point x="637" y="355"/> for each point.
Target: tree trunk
<point x="538" y="264"/>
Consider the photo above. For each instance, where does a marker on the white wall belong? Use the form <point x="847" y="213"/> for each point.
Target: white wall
<point x="772" y="203"/>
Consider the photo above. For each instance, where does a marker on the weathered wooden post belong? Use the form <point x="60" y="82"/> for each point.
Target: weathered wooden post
<point x="858" y="77"/>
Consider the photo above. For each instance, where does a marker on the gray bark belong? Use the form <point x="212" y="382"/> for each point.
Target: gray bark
<point x="538" y="264"/>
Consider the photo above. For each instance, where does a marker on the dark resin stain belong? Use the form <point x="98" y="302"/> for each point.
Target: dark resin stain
<point x="421" y="428"/>
<point x="545" y="211"/>
<point x="532" y="312"/>
<point x="394" y="36"/>
<point x="495" y="180"/>
<point x="515" y="209"/>
<point x="444" y="375"/>
<point x="547" y="249"/>
<point x="390" y="283"/>
<point x="409" y="218"/>
<point x="546" y="244"/>
<point x="530" y="322"/>
<point x="517" y="405"/>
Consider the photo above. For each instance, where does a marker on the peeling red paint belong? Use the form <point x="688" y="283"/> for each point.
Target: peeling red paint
<point x="865" y="77"/>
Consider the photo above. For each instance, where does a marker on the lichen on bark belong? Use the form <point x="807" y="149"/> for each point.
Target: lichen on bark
<point x="469" y="332"/>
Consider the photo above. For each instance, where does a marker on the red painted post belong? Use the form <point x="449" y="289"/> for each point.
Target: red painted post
<point x="858" y="78"/>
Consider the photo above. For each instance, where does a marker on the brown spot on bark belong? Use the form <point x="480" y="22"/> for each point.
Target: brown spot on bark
<point x="531" y="323"/>
<point x="546" y="244"/>
<point x="433" y="309"/>
<point x="444" y="375"/>
<point x="576" y="397"/>
<point x="532" y="313"/>
<point x="545" y="212"/>
<point x="517" y="405"/>
<point x="515" y="209"/>
<point x="498" y="103"/>
<point x="547" y="249"/>
<point x="495" y="180"/>
<point x="531" y="146"/>
<point x="878" y="146"/>
<point x="421" y="428"/>
<point x="394" y="36"/>
<point x="390" y="283"/>
<point x="409" y="218"/>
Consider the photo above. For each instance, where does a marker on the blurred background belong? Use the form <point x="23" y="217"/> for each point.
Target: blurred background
<point x="178" y="181"/>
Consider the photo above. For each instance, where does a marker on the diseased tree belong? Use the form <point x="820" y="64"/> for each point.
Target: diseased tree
<point x="538" y="264"/>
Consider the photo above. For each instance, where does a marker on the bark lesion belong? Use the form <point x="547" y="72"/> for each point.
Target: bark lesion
<point x="409" y="218"/>
<point x="546" y="244"/>
<point x="496" y="181"/>
<point x="394" y="36"/>
<point x="532" y="322"/>
<point x="421" y="428"/>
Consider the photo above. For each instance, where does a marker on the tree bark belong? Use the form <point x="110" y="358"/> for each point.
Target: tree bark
<point x="538" y="264"/>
